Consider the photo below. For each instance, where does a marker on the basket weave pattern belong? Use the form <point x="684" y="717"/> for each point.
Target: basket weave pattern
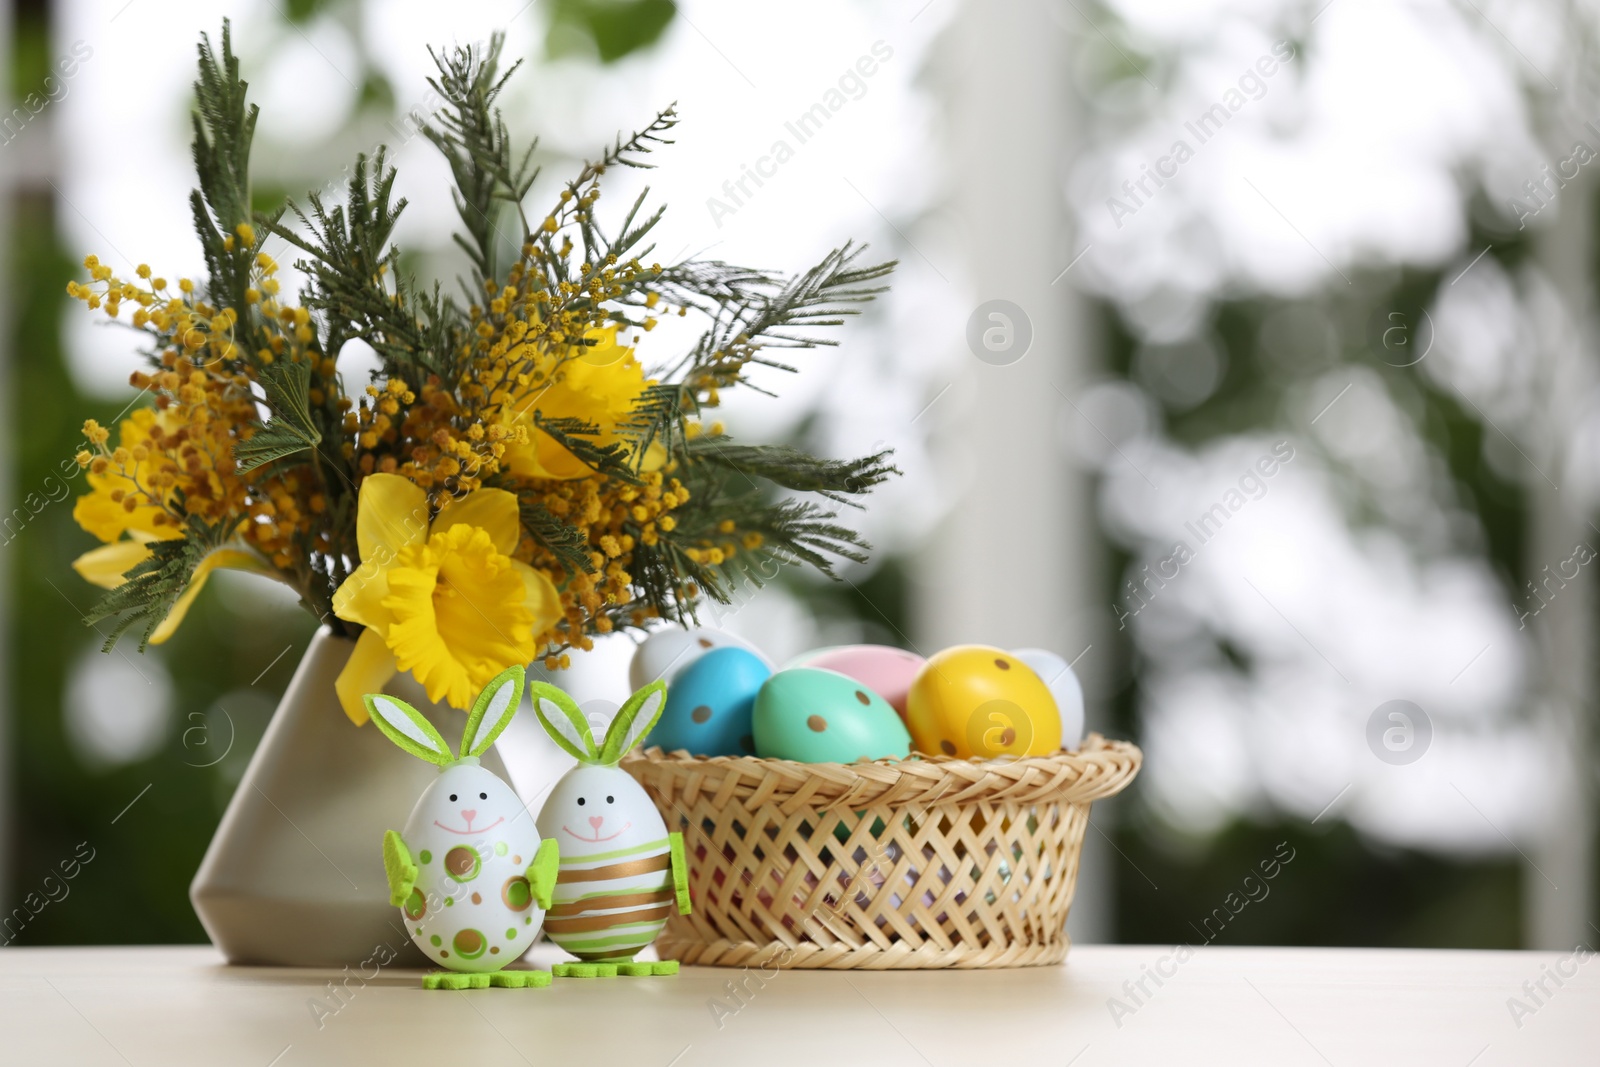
<point x="924" y="863"/>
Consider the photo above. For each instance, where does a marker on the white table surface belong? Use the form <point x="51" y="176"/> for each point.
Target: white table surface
<point x="1236" y="1006"/>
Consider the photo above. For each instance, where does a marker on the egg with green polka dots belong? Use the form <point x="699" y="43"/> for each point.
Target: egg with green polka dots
<point x="465" y="871"/>
<point x="820" y="716"/>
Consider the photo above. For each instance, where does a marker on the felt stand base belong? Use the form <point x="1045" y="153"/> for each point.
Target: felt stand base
<point x="625" y="968"/>
<point x="497" y="979"/>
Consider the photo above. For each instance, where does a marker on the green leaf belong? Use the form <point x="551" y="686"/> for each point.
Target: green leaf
<point x="286" y="384"/>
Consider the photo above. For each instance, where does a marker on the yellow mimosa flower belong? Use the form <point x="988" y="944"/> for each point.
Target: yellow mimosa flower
<point x="101" y="511"/>
<point x="444" y="601"/>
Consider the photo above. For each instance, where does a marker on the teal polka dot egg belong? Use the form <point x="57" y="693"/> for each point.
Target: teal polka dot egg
<point x="819" y="716"/>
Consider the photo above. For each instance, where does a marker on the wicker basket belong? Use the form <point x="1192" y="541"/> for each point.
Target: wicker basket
<point x="924" y="863"/>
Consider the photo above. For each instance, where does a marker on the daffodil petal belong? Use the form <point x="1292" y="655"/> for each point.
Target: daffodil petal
<point x="655" y="457"/>
<point x="494" y="510"/>
<point x="544" y="602"/>
<point x="359" y="599"/>
<point x="392" y="512"/>
<point x="368" y="670"/>
<point x="231" y="558"/>
<point x="106" y="565"/>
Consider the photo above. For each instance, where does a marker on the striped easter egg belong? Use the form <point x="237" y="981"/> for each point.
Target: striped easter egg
<point x="615" y="888"/>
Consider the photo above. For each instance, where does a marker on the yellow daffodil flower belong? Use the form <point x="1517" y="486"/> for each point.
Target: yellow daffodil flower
<point x="600" y="387"/>
<point x="106" y="565"/>
<point x="444" y="601"/>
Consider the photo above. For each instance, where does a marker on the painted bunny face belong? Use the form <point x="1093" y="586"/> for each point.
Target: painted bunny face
<point x="466" y="800"/>
<point x="599" y="809"/>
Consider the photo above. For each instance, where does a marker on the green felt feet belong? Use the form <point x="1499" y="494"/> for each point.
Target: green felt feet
<point x="647" y="969"/>
<point x="499" y="979"/>
<point x="455" y="980"/>
<point x="585" y="970"/>
<point x="520" y="979"/>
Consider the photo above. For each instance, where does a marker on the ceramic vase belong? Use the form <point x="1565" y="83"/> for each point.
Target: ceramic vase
<point x="294" y="875"/>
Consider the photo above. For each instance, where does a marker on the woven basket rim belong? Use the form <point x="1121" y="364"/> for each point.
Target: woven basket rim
<point x="1099" y="768"/>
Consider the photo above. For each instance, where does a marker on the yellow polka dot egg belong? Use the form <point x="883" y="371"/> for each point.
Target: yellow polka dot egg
<point x="978" y="702"/>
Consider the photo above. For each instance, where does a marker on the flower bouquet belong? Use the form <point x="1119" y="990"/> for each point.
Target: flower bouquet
<point x="521" y="472"/>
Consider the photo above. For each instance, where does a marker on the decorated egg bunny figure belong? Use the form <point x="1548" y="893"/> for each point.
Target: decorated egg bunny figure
<point x="622" y="873"/>
<point x="469" y="873"/>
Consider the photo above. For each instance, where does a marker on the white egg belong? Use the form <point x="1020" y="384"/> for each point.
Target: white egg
<point x="472" y="841"/>
<point x="616" y="890"/>
<point x="1063" y="684"/>
<point x="666" y="652"/>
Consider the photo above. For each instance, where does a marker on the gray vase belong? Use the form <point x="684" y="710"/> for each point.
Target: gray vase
<point x="294" y="875"/>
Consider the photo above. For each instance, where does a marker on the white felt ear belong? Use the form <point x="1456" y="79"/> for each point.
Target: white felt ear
<point x="569" y="730"/>
<point x="649" y="711"/>
<point x="634" y="719"/>
<point x="406" y="727"/>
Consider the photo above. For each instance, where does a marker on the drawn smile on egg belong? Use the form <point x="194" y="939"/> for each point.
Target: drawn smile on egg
<point x="469" y="830"/>
<point x="597" y="839"/>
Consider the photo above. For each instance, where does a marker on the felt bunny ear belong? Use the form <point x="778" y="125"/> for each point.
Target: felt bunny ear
<point x="405" y="726"/>
<point x="563" y="721"/>
<point x="493" y="711"/>
<point x="634" y="719"/>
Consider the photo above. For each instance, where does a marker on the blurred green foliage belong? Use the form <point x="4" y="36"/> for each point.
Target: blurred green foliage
<point x="606" y="29"/>
<point x="1347" y="890"/>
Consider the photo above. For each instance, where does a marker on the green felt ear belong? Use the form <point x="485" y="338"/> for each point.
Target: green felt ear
<point x="406" y="727"/>
<point x="563" y="721"/>
<point x="492" y="711"/>
<point x="634" y="720"/>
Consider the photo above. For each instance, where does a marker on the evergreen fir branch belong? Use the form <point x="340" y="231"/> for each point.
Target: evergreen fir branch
<point x="472" y="136"/>
<point x="223" y="130"/>
<point x="794" y="469"/>
<point x="761" y="315"/>
<point x="350" y="257"/>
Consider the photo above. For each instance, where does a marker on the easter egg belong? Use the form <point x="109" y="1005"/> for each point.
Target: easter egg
<point x="1062" y="681"/>
<point x="883" y="669"/>
<point x="978" y="702"/>
<point x="819" y="716"/>
<point x="709" y="704"/>
<point x="805" y="658"/>
<point x="472" y="908"/>
<point x="665" y="653"/>
<point x="615" y="888"/>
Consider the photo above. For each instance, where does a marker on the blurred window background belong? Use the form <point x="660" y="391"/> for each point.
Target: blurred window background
<point x="1290" y="439"/>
